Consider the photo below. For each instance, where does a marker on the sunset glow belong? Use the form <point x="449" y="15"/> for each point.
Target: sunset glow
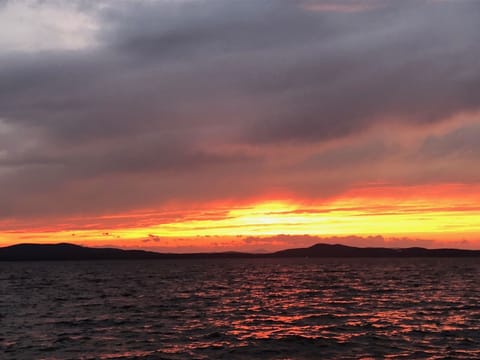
<point x="448" y="215"/>
<point x="239" y="179"/>
<point x="258" y="125"/>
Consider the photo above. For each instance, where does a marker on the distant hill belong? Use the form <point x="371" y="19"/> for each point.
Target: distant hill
<point x="64" y="251"/>
<point x="327" y="250"/>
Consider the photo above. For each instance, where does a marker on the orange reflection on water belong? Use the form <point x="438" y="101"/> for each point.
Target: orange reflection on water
<point x="126" y="355"/>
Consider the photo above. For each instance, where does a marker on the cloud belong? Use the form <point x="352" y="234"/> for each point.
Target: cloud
<point x="281" y="242"/>
<point x="459" y="144"/>
<point x="292" y="241"/>
<point x="152" y="238"/>
<point x="202" y="100"/>
<point x="31" y="26"/>
<point x="346" y="6"/>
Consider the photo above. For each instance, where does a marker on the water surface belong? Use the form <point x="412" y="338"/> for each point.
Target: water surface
<point x="241" y="309"/>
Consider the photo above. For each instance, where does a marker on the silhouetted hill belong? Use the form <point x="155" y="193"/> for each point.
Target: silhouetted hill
<point x="69" y="252"/>
<point x="64" y="251"/>
<point x="327" y="250"/>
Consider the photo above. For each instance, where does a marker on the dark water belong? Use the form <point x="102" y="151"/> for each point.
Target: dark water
<point x="241" y="309"/>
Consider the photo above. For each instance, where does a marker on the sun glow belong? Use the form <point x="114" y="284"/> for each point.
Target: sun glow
<point x="449" y="212"/>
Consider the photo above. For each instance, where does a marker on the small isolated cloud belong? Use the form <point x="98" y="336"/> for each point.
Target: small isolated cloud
<point x="341" y="6"/>
<point x="152" y="238"/>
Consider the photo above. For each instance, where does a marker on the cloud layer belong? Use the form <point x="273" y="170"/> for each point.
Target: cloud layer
<point x="138" y="104"/>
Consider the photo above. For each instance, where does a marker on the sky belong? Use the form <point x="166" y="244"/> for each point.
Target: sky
<point x="252" y="125"/>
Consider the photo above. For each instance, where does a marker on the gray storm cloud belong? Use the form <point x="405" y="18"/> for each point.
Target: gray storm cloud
<point x="144" y="114"/>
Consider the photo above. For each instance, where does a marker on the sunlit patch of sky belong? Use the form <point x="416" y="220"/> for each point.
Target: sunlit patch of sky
<point x="31" y="26"/>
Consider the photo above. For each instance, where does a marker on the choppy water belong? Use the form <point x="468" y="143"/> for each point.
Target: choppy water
<point x="241" y="309"/>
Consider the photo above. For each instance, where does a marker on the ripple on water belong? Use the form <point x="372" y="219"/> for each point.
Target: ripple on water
<point x="241" y="309"/>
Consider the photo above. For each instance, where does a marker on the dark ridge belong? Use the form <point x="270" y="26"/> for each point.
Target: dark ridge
<point x="65" y="251"/>
<point x="337" y="250"/>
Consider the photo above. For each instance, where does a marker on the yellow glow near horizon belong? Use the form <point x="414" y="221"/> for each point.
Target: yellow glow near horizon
<point x="374" y="212"/>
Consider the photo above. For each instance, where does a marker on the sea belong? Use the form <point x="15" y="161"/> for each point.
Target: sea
<point x="418" y="308"/>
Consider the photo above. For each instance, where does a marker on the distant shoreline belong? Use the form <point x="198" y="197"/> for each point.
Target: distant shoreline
<point x="68" y="252"/>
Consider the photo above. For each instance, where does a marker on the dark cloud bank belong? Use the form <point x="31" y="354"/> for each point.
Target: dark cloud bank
<point x="192" y="100"/>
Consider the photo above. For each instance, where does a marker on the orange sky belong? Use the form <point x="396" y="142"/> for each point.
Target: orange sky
<point x="445" y="215"/>
<point x="202" y="126"/>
